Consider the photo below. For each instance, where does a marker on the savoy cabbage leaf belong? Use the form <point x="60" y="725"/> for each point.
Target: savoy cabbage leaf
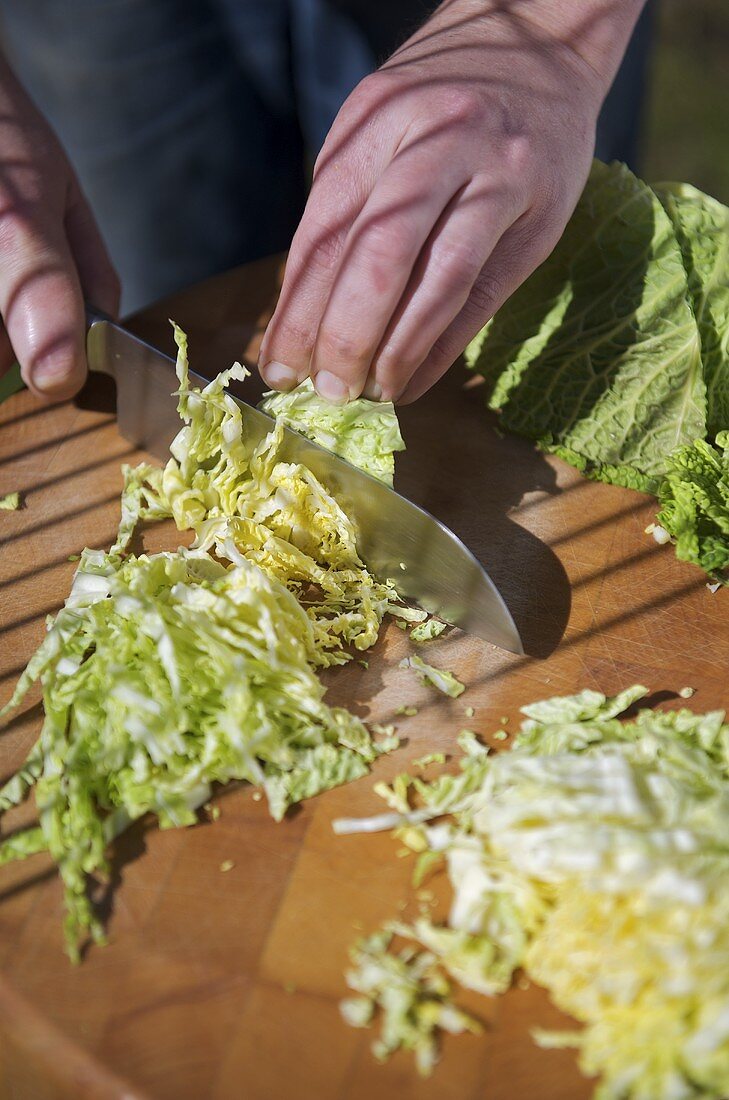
<point x="694" y="499"/>
<point x="701" y="225"/>
<point x="597" y="356"/>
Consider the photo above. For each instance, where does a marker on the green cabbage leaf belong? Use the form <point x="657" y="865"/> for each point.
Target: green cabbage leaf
<point x="597" y="355"/>
<point x="694" y="505"/>
<point x="701" y="225"/>
<point x="614" y="354"/>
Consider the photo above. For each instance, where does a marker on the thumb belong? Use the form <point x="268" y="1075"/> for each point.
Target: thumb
<point x="42" y="305"/>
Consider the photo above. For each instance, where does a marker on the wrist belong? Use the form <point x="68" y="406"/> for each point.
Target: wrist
<point x="596" y="32"/>
<point x="590" y="35"/>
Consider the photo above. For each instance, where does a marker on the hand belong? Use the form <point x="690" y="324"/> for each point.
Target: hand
<point x="51" y="253"/>
<point x="447" y="178"/>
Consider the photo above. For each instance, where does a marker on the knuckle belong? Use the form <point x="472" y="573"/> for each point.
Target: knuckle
<point x="325" y="249"/>
<point x="458" y="264"/>
<point x="394" y="362"/>
<point x="333" y="345"/>
<point x="374" y="88"/>
<point x="461" y="104"/>
<point x="318" y="245"/>
<point x="487" y="294"/>
<point x="386" y="237"/>
<point x="444" y="351"/>
<point x="518" y="156"/>
<point x="288" y="333"/>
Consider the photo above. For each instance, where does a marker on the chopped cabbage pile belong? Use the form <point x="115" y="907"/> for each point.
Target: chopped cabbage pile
<point x="162" y="675"/>
<point x="366" y="433"/>
<point x="595" y="856"/>
<point x="166" y="673"/>
<point x="243" y="501"/>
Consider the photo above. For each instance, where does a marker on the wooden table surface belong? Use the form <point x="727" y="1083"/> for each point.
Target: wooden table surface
<point x="216" y="985"/>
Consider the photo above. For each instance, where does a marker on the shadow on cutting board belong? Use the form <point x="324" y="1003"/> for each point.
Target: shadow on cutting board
<point x="470" y="475"/>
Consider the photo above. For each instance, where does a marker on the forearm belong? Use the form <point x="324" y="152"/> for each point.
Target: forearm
<point x="592" y="33"/>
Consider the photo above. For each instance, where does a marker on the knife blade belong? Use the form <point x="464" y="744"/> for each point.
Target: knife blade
<point x="398" y="540"/>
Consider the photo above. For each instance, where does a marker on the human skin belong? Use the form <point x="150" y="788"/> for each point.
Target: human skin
<point x="51" y="252"/>
<point x="447" y="178"/>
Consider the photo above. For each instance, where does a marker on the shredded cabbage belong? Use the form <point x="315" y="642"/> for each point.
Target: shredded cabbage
<point x="166" y="673"/>
<point x="365" y="433"/>
<point x="425" y="632"/>
<point x="245" y="502"/>
<point x="163" y="675"/>
<point x="413" y="993"/>
<point x="10" y="502"/>
<point x="438" y="678"/>
<point x="594" y="855"/>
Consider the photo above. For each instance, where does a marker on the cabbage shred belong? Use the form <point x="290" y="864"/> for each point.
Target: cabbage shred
<point x="595" y="856"/>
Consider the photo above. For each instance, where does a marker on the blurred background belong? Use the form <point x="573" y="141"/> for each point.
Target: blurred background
<point x="686" y="121"/>
<point x="192" y="123"/>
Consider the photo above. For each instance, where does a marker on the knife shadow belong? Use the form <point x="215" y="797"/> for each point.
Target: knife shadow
<point x="461" y="468"/>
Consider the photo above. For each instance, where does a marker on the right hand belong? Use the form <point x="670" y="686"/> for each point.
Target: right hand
<point x="52" y="256"/>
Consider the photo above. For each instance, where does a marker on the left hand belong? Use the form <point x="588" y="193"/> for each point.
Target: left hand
<point x="446" y="179"/>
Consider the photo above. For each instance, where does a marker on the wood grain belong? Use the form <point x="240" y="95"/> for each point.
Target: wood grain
<point x="192" y="998"/>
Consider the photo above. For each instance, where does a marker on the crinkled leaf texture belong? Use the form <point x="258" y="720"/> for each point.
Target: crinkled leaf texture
<point x="365" y="433"/>
<point x="595" y="856"/>
<point x="597" y="355"/>
<point x="694" y="499"/>
<point x="701" y="225"/>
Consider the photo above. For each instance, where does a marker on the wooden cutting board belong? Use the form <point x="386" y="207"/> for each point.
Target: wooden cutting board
<point x="225" y="985"/>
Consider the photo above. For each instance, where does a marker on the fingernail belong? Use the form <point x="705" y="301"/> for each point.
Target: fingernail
<point x="51" y="372"/>
<point x="331" y="388"/>
<point x="373" y="390"/>
<point x="279" y="376"/>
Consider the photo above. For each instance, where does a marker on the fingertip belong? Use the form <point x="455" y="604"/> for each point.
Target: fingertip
<point x="372" y="390"/>
<point x="331" y="387"/>
<point x="56" y="374"/>
<point x="278" y="376"/>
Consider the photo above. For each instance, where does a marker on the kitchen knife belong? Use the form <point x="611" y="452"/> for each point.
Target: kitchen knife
<point x="397" y="540"/>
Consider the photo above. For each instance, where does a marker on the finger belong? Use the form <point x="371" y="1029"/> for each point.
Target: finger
<point x="313" y="259"/>
<point x="442" y="280"/>
<point x="351" y="158"/>
<point x="515" y="257"/>
<point x="41" y="304"/>
<point x="381" y="249"/>
<point x="99" y="280"/>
